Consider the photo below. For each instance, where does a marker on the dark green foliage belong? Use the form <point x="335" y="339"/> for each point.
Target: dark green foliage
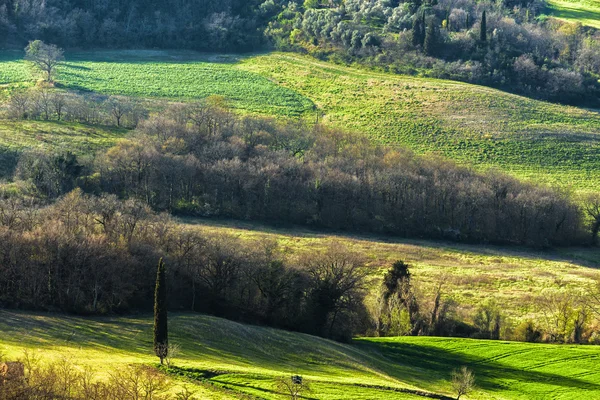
<point x="483" y="28"/>
<point x="161" y="332"/>
<point x="398" y="273"/>
<point x="418" y="31"/>
<point x="430" y="44"/>
<point x="198" y="24"/>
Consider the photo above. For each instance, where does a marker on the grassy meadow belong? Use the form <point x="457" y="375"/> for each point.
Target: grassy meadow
<point x="587" y="12"/>
<point x="471" y="124"/>
<point x="472" y="274"/>
<point x="241" y="361"/>
<point x="468" y="123"/>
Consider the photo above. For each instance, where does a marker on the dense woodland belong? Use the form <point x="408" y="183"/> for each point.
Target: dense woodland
<point x="223" y="25"/>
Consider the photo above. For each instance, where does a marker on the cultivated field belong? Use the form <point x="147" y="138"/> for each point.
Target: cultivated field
<point x="471" y="124"/>
<point x="238" y="360"/>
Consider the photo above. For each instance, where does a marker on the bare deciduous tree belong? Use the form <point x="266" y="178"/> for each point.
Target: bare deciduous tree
<point x="463" y="381"/>
<point x="45" y="57"/>
<point x="293" y="386"/>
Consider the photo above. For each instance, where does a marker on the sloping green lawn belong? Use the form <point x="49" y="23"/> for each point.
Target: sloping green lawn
<point x="247" y="359"/>
<point x="585" y="11"/>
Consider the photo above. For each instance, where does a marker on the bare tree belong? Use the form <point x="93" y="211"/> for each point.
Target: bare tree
<point x="463" y="381"/>
<point x="293" y="385"/>
<point x="592" y="208"/>
<point x="45" y="57"/>
<point x="59" y="101"/>
<point x="19" y="105"/>
<point x="119" y="108"/>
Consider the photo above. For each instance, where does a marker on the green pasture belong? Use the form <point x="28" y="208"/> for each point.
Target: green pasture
<point x="166" y="75"/>
<point x="587" y="12"/>
<point x="241" y="360"/>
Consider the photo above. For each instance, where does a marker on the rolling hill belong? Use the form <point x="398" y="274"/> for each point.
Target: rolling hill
<point x="240" y="360"/>
<point x="586" y="12"/>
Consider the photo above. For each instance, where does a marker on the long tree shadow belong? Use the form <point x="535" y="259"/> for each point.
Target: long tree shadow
<point x="416" y="364"/>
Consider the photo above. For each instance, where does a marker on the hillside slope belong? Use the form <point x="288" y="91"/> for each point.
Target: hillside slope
<point x="514" y="277"/>
<point x="469" y="123"/>
<point x="586" y="12"/>
<point x="248" y="359"/>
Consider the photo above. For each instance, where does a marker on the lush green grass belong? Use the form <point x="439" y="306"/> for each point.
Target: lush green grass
<point x="514" y="277"/>
<point x="248" y="360"/>
<point x="468" y="123"/>
<point x="587" y="12"/>
<point x="167" y="75"/>
<point x="503" y="370"/>
<point x="17" y="136"/>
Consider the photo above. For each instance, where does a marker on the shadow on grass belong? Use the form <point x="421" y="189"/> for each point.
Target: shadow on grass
<point x="417" y="364"/>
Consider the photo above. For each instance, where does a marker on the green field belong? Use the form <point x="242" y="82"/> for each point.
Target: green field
<point x="587" y="12"/>
<point x="247" y="360"/>
<point x="17" y="136"/>
<point x="474" y="124"/>
<point x="166" y="75"/>
<point x="472" y="274"/>
<point x="471" y="124"/>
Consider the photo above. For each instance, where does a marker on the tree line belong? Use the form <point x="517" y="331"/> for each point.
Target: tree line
<point x="89" y="254"/>
<point x="210" y="25"/>
<point x="95" y="255"/>
<point x="202" y="160"/>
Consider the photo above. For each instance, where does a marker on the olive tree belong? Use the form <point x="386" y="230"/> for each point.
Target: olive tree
<point x="45" y="57"/>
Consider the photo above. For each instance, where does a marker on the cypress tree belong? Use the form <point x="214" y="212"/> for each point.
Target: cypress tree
<point x="430" y="44"/>
<point x="483" y="28"/>
<point x="161" y="334"/>
<point x="417" y="31"/>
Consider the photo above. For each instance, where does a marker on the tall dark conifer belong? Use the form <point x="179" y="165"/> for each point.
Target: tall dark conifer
<point x="430" y="42"/>
<point x="161" y="333"/>
<point x="483" y="28"/>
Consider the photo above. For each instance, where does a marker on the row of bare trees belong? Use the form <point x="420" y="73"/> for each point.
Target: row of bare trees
<point x="47" y="104"/>
<point x="89" y="254"/>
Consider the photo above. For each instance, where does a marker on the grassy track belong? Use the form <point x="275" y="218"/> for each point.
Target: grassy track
<point x="513" y="277"/>
<point x="247" y="359"/>
<point x="587" y="12"/>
